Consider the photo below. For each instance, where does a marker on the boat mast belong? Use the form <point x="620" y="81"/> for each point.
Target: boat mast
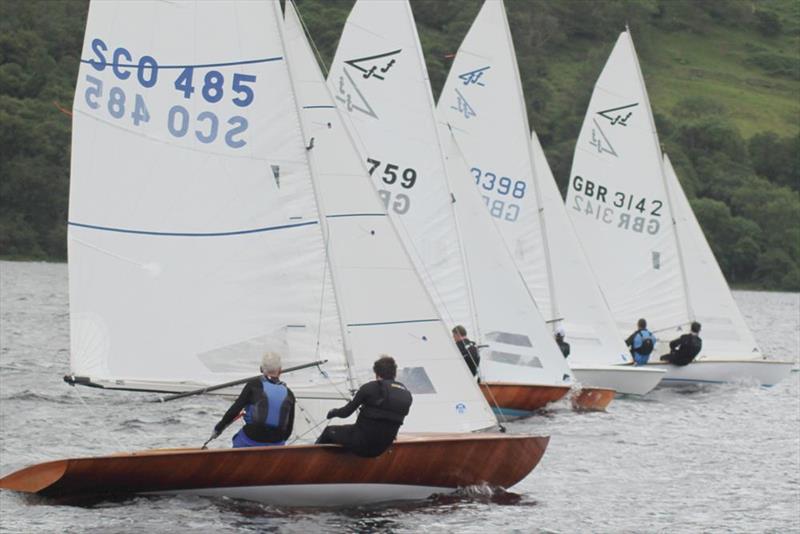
<point x="472" y="310"/>
<point x="654" y="137"/>
<point x="348" y="352"/>
<point x="534" y="177"/>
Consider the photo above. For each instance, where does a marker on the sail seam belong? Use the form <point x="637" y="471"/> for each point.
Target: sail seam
<point x="339" y="215"/>
<point x="103" y="64"/>
<point x="397" y="322"/>
<point x="189" y="234"/>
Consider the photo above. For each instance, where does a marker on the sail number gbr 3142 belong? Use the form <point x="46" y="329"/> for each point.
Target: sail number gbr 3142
<point x="616" y="208"/>
<point x="203" y="85"/>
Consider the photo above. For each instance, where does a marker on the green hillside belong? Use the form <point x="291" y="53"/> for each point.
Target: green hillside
<point x="723" y="78"/>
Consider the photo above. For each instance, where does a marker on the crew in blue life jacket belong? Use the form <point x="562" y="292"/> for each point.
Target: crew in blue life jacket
<point x="641" y="343"/>
<point x="384" y="404"/>
<point x="268" y="405"/>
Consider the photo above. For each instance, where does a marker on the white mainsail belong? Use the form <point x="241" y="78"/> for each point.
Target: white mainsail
<point x="384" y="304"/>
<point x="725" y="333"/>
<point x="403" y="122"/>
<point x="483" y="100"/>
<point x="196" y="240"/>
<point x="380" y="83"/>
<point x="520" y="347"/>
<point x="619" y="205"/>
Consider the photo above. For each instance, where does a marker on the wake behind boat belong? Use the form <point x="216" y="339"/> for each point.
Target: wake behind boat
<point x="415" y="467"/>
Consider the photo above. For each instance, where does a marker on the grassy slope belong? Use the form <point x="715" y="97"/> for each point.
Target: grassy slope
<point x="681" y="65"/>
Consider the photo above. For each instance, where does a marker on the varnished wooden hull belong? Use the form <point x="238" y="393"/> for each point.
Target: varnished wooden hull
<point x="592" y="399"/>
<point x="413" y="463"/>
<point x="521" y="399"/>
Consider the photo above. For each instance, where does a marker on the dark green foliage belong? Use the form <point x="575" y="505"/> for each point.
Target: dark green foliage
<point x="744" y="189"/>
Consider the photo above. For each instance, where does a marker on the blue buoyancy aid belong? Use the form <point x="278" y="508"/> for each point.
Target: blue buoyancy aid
<point x="268" y="409"/>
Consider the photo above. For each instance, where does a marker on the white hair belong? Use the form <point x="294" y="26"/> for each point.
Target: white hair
<point x="270" y="362"/>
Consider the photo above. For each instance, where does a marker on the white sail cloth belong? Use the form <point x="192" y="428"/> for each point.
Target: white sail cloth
<point x="380" y="83"/>
<point x="520" y="347"/>
<point x="383" y="303"/>
<point x="618" y="202"/>
<point x="401" y="110"/>
<point x="196" y="238"/>
<point x="636" y="225"/>
<point x="724" y="331"/>
<point x="483" y="100"/>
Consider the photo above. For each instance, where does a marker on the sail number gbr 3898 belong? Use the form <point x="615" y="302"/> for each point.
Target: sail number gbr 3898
<point x="121" y="96"/>
<point x="617" y="208"/>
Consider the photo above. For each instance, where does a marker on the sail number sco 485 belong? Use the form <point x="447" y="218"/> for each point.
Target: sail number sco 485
<point x="122" y="97"/>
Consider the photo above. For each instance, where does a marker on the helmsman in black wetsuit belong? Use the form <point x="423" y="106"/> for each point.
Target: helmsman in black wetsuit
<point x="268" y="405"/>
<point x="468" y="349"/>
<point x="384" y="404"/>
<point x="563" y="345"/>
<point x="683" y="350"/>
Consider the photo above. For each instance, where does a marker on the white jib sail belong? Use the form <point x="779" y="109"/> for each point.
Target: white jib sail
<point x="380" y="83"/>
<point x="521" y="348"/>
<point x="724" y="331"/>
<point x="619" y="205"/>
<point x="383" y="302"/>
<point x="194" y="238"/>
<point x="588" y="323"/>
<point x="482" y="100"/>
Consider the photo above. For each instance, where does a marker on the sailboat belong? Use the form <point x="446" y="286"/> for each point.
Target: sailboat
<point x="380" y="81"/>
<point x="645" y="247"/>
<point x="204" y="229"/>
<point x="484" y="103"/>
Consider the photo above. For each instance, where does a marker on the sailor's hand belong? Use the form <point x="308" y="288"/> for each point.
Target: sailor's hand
<point x="332" y="413"/>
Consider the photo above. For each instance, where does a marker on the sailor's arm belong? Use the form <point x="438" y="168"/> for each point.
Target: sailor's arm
<point x="348" y="409"/>
<point x="236" y="408"/>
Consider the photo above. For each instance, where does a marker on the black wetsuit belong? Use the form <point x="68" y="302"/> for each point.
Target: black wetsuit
<point x="683" y="350"/>
<point x="469" y="351"/>
<point x="384" y="404"/>
<point x="254" y="398"/>
<point x="564" y="346"/>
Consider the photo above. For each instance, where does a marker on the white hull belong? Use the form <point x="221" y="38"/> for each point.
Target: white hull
<point x="763" y="372"/>
<point x="627" y="380"/>
<point x="320" y="494"/>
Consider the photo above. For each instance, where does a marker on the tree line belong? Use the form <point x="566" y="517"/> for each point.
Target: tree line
<point x="745" y="190"/>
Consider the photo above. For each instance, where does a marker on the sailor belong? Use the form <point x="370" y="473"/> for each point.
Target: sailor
<point x="384" y="404"/>
<point x="641" y="342"/>
<point x="468" y="349"/>
<point x="268" y="406"/>
<point x="563" y="345"/>
<point x="684" y="349"/>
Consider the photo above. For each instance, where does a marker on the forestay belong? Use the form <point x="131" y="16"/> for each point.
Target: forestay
<point x="379" y="81"/>
<point x="384" y="305"/>
<point x="725" y="333"/>
<point x="482" y="100"/>
<point x="618" y="202"/>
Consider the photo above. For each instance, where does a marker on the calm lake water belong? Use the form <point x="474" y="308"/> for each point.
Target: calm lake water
<point x="714" y="459"/>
